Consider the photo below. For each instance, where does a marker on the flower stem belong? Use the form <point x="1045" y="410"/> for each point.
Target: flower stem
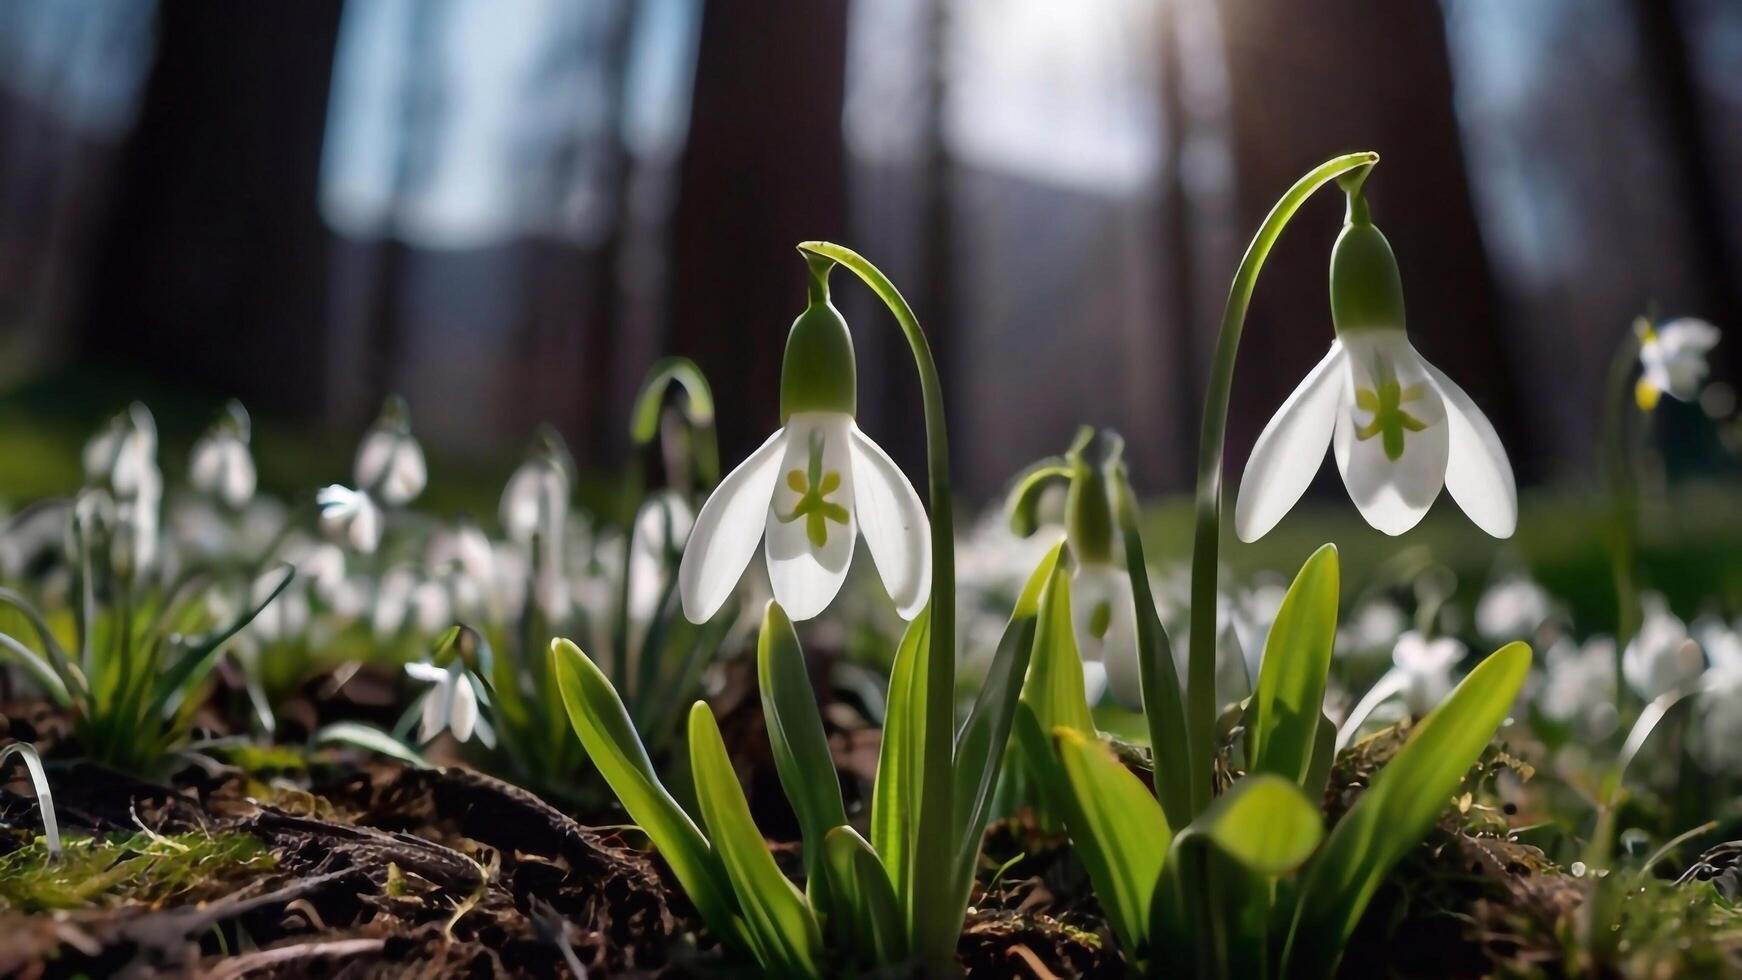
<point x="933" y="923"/>
<point x="1350" y="169"/>
<point x="1618" y="481"/>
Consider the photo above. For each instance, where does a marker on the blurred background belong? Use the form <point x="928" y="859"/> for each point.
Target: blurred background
<point x="506" y="209"/>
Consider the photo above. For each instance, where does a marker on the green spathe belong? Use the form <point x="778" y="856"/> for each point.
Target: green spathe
<point x="1366" y="289"/>
<point x="818" y="373"/>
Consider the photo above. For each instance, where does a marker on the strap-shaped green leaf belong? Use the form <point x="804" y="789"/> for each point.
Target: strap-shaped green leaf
<point x="866" y="915"/>
<point x="599" y="718"/>
<point x="1163" y="700"/>
<point x="1265" y="823"/>
<point x="801" y="748"/>
<point x="895" y="795"/>
<point x="1399" y="808"/>
<point x="1054" y="687"/>
<point x="785" y="927"/>
<point x="1119" y="830"/>
<point x="981" y="744"/>
<point x="1291" y="679"/>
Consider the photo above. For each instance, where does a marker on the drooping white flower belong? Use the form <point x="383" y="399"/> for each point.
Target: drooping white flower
<point x="1104" y="622"/>
<point x="1672" y="360"/>
<point x="1512" y="608"/>
<point x="1578" y="686"/>
<point x="810" y="490"/>
<point x="663" y="521"/>
<point x="535" y="514"/>
<point x="389" y="460"/>
<point x="1427" y="666"/>
<point x="220" y="465"/>
<point x="1661" y="657"/>
<point x="123" y="454"/>
<point x="451" y="705"/>
<point x="351" y="517"/>
<point x="286" y="616"/>
<point x="1372" y="629"/>
<point x="1400" y="430"/>
<point x="1717" y="737"/>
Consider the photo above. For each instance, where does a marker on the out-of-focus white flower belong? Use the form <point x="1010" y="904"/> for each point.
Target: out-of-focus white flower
<point x="1578" y="686"/>
<point x="1104" y="622"/>
<point x="462" y="557"/>
<point x="1375" y="626"/>
<point x="392" y="601"/>
<point x="1512" y="608"/>
<point x="123" y="454"/>
<point x="351" y="517"/>
<point x="431" y="609"/>
<point x="1251" y="612"/>
<point x="1661" y="657"/>
<point x="1717" y="735"/>
<point x="1233" y="679"/>
<point x="283" y="618"/>
<point x="1427" y="666"/>
<point x="389" y="460"/>
<point x="1672" y="360"/>
<point x="535" y="497"/>
<point x="451" y="705"/>
<point x="220" y="465"/>
<point x="664" y="522"/>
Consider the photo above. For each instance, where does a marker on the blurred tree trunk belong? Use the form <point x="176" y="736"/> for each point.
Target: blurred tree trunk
<point x="211" y="270"/>
<point x="762" y="171"/>
<point x="1315" y="78"/>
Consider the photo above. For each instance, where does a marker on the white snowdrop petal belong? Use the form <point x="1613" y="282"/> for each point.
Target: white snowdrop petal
<point x="894" y="524"/>
<point x="426" y="672"/>
<point x="1290" y="449"/>
<point x="436" y="707"/>
<point x="463" y="716"/>
<point x="406" y="473"/>
<point x="1392" y="494"/>
<point x="373" y="455"/>
<point x="812" y="503"/>
<point x="726" y="531"/>
<point x="238" y="474"/>
<point x="1094" y="681"/>
<point x="1478" y="474"/>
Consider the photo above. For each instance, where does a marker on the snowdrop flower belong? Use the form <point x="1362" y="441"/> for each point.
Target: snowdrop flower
<point x="1399" y="428"/>
<point x="286" y="616"/>
<point x="389" y="460"/>
<point x="1578" y="686"/>
<point x="662" y="513"/>
<point x="1374" y="628"/>
<point x="534" y="514"/>
<point x="1427" y="667"/>
<point x="351" y="517"/>
<point x="1717" y="736"/>
<point x="403" y="596"/>
<point x="1672" y="360"/>
<point x="811" y="489"/>
<point x="451" y="705"/>
<point x="123" y="454"/>
<point x="219" y="465"/>
<point x="462" y="556"/>
<point x="1512" y="608"/>
<point x="1662" y="657"/>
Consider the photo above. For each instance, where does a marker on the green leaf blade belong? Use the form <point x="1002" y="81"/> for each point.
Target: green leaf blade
<point x="774" y="910"/>
<point x="867" y="916"/>
<point x="1398" y="809"/>
<point x="1287" y="705"/>
<point x="1119" y="830"/>
<point x="1163" y="699"/>
<point x="896" y="792"/>
<point x="801" y="747"/>
<point x="602" y="723"/>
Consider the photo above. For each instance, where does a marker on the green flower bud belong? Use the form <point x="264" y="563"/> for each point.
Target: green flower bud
<point x="819" y="373"/>
<point x="1366" y="290"/>
<point x="1089" y="525"/>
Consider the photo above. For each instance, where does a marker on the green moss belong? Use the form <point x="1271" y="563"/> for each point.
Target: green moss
<point x="95" y="872"/>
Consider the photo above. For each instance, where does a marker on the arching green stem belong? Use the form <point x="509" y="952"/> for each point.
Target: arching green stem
<point x="934" y="912"/>
<point x="1350" y="170"/>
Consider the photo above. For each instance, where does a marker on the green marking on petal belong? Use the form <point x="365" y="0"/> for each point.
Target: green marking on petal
<point x="1100" y="620"/>
<point x="814" y="488"/>
<point x="1386" y="401"/>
